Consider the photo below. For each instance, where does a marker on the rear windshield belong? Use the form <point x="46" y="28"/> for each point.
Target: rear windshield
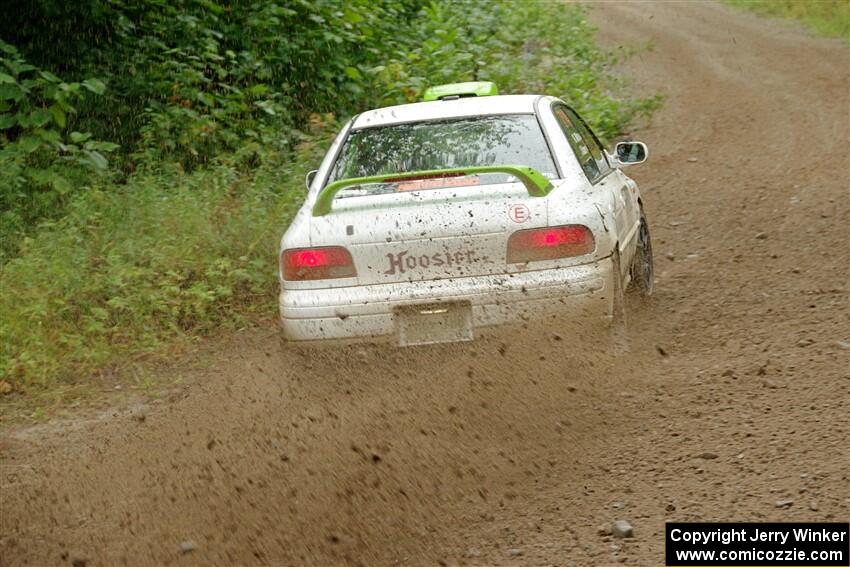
<point x="513" y="139"/>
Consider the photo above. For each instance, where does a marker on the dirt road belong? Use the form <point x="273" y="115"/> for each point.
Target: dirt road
<point x="514" y="450"/>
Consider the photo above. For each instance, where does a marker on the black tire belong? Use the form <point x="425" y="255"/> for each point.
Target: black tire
<point x="642" y="270"/>
<point x="618" y="338"/>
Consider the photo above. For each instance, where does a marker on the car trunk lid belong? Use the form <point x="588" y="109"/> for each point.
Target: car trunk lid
<point x="429" y="235"/>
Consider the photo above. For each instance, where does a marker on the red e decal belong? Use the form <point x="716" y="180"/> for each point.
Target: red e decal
<point x="519" y="213"/>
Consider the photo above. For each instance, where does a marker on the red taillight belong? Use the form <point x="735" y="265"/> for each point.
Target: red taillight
<point x="549" y="243"/>
<point x="316" y="263"/>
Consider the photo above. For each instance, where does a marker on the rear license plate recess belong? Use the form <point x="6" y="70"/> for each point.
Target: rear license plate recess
<point x="434" y="323"/>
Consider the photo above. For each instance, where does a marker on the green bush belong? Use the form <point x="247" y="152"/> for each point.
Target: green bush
<point x="42" y="159"/>
<point x="522" y="47"/>
<point x="167" y="255"/>
<point x="191" y="80"/>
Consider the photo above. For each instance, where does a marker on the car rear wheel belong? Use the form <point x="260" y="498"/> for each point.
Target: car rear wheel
<point x="641" y="269"/>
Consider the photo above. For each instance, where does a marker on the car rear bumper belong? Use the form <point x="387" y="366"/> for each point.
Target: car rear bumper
<point x="370" y="312"/>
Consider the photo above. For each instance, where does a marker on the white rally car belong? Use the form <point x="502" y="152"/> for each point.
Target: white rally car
<point x="427" y="221"/>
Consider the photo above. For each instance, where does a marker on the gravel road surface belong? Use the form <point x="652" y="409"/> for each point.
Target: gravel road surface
<point x="523" y="448"/>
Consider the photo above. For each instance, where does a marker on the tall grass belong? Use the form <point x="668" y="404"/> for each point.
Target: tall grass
<point x="132" y="267"/>
<point x="830" y="18"/>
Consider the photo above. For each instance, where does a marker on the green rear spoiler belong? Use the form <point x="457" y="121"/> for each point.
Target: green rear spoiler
<point x="535" y="182"/>
<point x="460" y="90"/>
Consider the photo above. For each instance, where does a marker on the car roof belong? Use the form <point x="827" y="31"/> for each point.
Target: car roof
<point x="446" y="109"/>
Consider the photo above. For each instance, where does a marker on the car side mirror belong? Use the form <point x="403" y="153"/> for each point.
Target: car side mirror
<point x="631" y="153"/>
<point x="308" y="179"/>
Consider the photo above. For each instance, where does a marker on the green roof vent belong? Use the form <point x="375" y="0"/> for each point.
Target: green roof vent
<point x="460" y="90"/>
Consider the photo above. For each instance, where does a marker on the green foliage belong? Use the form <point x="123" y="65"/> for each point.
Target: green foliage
<point x="524" y="47"/>
<point x="826" y="17"/>
<point x="42" y="158"/>
<point x="168" y="255"/>
<point x="192" y="80"/>
<point x="219" y="109"/>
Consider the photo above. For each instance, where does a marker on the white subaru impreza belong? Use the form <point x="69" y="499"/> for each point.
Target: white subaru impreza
<point x="431" y="220"/>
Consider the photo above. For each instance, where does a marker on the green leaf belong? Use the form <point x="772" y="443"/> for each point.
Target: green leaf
<point x="211" y="6"/>
<point x="50" y="136"/>
<point x="353" y="17"/>
<point x="4" y="78"/>
<point x="59" y="183"/>
<point x="58" y="115"/>
<point x="102" y="146"/>
<point x="95" y="85"/>
<point x="9" y="91"/>
<point x="258" y="89"/>
<point x="36" y="118"/>
<point x="48" y="76"/>
<point x="353" y="73"/>
<point x="28" y="144"/>
<point x="266" y="106"/>
<point x="206" y="98"/>
<point x="7" y="121"/>
<point x="79" y="137"/>
<point x="96" y="159"/>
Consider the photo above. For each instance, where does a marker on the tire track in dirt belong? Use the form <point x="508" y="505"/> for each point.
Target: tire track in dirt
<point x="515" y="449"/>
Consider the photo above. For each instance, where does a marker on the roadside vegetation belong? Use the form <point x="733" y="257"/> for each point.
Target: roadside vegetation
<point x="830" y="18"/>
<point x="153" y="152"/>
